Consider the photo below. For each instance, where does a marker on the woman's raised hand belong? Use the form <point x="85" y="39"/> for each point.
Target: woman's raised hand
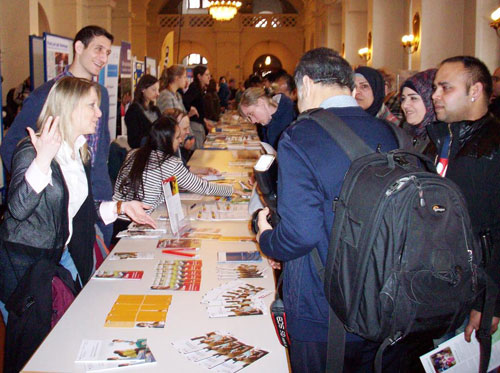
<point x="47" y="144"/>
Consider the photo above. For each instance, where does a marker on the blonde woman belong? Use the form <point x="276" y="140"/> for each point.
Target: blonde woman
<point x="274" y="114"/>
<point x="50" y="210"/>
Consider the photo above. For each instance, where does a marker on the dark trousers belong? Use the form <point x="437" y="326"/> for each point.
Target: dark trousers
<point x="359" y="357"/>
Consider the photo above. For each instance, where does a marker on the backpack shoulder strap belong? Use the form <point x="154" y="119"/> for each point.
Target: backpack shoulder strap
<point x="350" y="143"/>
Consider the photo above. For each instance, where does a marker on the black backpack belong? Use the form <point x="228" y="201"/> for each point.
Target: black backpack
<point x="402" y="257"/>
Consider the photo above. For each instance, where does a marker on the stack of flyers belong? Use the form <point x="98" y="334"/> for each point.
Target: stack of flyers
<point x="218" y="351"/>
<point x="115" y="353"/>
<point x="127" y="275"/>
<point x="140" y="234"/>
<point x="181" y="275"/>
<point x="220" y="211"/>
<point x="235" y="298"/>
<point x="126" y="255"/>
<point x="232" y="271"/>
<point x="173" y="243"/>
<point x="202" y="233"/>
<point x="139" y="311"/>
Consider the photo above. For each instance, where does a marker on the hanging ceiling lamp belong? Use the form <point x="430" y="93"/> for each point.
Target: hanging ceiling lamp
<point x="223" y="10"/>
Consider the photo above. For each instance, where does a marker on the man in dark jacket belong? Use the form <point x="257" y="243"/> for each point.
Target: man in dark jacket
<point x="466" y="147"/>
<point x="311" y="171"/>
<point x="91" y="48"/>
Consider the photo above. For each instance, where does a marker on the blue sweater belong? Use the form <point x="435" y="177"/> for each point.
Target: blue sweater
<point x="310" y="176"/>
<point x="32" y="107"/>
<point x="280" y="120"/>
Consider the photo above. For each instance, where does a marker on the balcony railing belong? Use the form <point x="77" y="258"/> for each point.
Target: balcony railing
<point x="258" y="21"/>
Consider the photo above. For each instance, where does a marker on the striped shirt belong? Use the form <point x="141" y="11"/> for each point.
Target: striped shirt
<point x="153" y="175"/>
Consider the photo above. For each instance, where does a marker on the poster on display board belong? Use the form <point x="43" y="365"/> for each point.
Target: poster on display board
<point x="150" y="66"/>
<point x="138" y="71"/>
<point x="58" y="53"/>
<point x="37" y="66"/>
<point x="108" y="77"/>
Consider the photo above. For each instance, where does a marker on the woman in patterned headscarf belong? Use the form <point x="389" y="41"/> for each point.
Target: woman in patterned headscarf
<point x="416" y="103"/>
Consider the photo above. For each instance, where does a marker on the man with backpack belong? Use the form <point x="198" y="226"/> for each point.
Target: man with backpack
<point x="311" y="173"/>
<point x="465" y="144"/>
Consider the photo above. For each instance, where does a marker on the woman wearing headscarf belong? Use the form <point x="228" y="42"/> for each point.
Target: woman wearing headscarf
<point x="370" y="94"/>
<point x="416" y="103"/>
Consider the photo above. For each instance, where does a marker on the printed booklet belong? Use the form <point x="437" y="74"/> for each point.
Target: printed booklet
<point x="239" y="256"/>
<point x="115" y="353"/>
<point x="127" y="255"/>
<point x="219" y="352"/>
<point x="460" y="356"/>
<point x="180" y="275"/>
<point x="122" y="275"/>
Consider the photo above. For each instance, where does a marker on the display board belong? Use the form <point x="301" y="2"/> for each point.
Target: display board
<point x="138" y="71"/>
<point x="37" y="66"/>
<point x="108" y="77"/>
<point x="58" y="53"/>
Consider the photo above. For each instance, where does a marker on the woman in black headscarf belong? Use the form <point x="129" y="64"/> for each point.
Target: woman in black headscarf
<point x="370" y="93"/>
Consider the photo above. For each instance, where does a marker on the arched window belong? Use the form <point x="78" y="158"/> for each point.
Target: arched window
<point x="265" y="64"/>
<point x="194" y="59"/>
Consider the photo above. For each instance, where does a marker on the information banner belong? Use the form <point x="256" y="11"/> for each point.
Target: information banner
<point x="2" y="176"/>
<point x="167" y="52"/>
<point x="37" y="66"/>
<point x="58" y="53"/>
<point x="108" y="77"/>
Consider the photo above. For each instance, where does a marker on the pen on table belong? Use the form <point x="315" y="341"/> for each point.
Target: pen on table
<point x="192" y="206"/>
<point x="178" y="253"/>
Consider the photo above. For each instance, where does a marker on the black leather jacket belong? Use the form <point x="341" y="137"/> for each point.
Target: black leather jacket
<point x="36" y="223"/>
<point x="474" y="164"/>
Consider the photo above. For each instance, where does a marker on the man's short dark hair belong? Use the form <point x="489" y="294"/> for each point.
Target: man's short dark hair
<point x="325" y="66"/>
<point x="478" y="72"/>
<point x="289" y="82"/>
<point x="88" y="33"/>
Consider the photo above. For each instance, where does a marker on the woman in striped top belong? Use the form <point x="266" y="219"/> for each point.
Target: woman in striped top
<point x="141" y="175"/>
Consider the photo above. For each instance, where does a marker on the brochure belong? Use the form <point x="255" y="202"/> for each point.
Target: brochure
<point x="239" y="256"/>
<point x="233" y="272"/>
<point x="173" y="243"/>
<point x="457" y="355"/>
<point x="173" y="201"/>
<point x="180" y="275"/>
<point x="218" y="351"/>
<point x="139" y="311"/>
<point x="127" y="255"/>
<point x="235" y="298"/>
<point x="122" y="275"/>
<point x="116" y="353"/>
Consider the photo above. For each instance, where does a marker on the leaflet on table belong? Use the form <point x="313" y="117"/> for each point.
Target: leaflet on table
<point x="126" y="255"/>
<point x="143" y="231"/>
<point x="119" y="275"/>
<point x="173" y="243"/>
<point x="229" y="271"/>
<point x="460" y="355"/>
<point x="179" y="275"/>
<point x="220" y="352"/>
<point x="220" y="211"/>
<point x="239" y="256"/>
<point x="235" y="298"/>
<point x="139" y="311"/>
<point x="173" y="202"/>
<point x="116" y="353"/>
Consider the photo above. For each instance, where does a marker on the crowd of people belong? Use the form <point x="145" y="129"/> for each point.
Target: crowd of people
<point x="60" y="195"/>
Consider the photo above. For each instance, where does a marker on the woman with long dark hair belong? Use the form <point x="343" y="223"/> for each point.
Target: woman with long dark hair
<point x="143" y="111"/>
<point x="195" y="93"/>
<point x="144" y="169"/>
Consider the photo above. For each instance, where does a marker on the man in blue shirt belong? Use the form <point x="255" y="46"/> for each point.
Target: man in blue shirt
<point x="91" y="48"/>
<point x="311" y="172"/>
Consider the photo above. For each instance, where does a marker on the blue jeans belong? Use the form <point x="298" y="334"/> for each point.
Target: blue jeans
<point x="67" y="262"/>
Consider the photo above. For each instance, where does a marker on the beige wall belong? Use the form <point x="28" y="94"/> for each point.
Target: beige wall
<point x="355" y="29"/>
